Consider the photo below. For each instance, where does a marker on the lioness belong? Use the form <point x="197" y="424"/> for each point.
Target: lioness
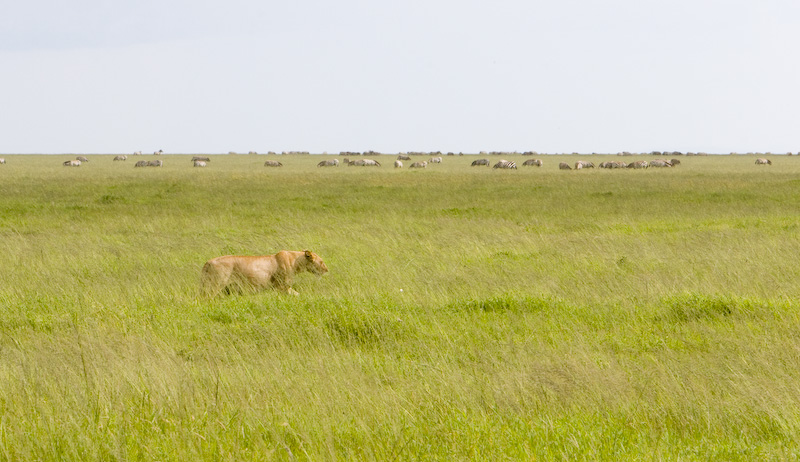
<point x="239" y="273"/>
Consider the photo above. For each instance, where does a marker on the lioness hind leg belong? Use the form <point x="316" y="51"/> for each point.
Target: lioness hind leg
<point x="212" y="281"/>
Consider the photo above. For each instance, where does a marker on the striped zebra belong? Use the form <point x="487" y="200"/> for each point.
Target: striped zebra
<point x="329" y="163"/>
<point x="638" y="164"/>
<point x="253" y="153"/>
<point x="123" y="157"/>
<point x="2" y="160"/>
<point x="506" y="164"/>
<point x="199" y="163"/>
<point x="479" y="162"/>
<point x="435" y="160"/>
<point x="137" y="153"/>
<point x="422" y="164"/>
<point x="72" y="163"/>
<point x="583" y="164"/>
<point x="203" y="158"/>
<point x="159" y="152"/>
<point x="365" y="163"/>
<point x="272" y="163"/>
<point x="564" y="166"/>
<point x="398" y="164"/>
<point x="403" y="157"/>
<point x="763" y="161"/>
<point x="141" y="163"/>
<point x="674" y="162"/>
<point x="532" y="162"/>
<point x="155" y="163"/>
<point x="82" y="159"/>
<point x="613" y="164"/>
<point x="660" y="163"/>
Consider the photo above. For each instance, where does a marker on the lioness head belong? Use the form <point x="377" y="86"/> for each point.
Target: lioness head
<point x="315" y="264"/>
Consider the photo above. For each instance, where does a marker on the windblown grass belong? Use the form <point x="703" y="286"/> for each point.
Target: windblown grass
<point x="543" y="314"/>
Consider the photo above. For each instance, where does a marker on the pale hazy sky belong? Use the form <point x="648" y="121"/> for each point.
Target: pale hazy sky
<point x="191" y="76"/>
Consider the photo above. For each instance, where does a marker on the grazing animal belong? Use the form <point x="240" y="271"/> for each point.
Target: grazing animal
<point x="762" y="161"/>
<point x="564" y="166"/>
<point x="203" y="158"/>
<point x="329" y="163"/>
<point x="82" y="159"/>
<point x="141" y="163"/>
<point x="253" y="153"/>
<point x="398" y="164"/>
<point x="435" y="160"/>
<point x="253" y="273"/>
<point x="365" y="163"/>
<point x="403" y="157"/>
<point x="155" y="163"/>
<point x="479" y="162"/>
<point x="613" y="164"/>
<point x="660" y="163"/>
<point x="137" y="153"/>
<point x="121" y="157"/>
<point x="422" y="164"/>
<point x="531" y="162"/>
<point x="674" y="162"/>
<point x="2" y="160"/>
<point x="583" y="164"/>
<point x="507" y="164"/>
<point x="72" y="163"/>
<point x="199" y="163"/>
<point x="272" y="163"/>
<point x="638" y="164"/>
<point x="159" y="152"/>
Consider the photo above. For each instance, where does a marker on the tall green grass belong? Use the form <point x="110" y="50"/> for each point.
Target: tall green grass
<point x="469" y="313"/>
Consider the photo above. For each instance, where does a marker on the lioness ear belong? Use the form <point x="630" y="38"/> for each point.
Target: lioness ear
<point x="308" y="254"/>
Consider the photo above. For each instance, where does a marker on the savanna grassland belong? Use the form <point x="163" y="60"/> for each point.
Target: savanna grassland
<point x="469" y="313"/>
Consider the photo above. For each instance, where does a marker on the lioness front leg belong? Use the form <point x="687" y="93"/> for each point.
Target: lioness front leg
<point x="283" y="284"/>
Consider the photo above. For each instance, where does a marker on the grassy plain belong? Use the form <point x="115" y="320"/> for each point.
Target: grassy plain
<point x="544" y="314"/>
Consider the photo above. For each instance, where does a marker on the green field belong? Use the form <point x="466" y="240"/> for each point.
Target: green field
<point x="469" y="313"/>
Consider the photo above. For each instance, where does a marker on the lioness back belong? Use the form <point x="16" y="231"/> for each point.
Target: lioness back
<point x="242" y="273"/>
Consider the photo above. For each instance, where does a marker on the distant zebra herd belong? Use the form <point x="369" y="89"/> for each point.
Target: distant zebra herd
<point x="203" y="161"/>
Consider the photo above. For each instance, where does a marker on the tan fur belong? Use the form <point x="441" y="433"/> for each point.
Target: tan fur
<point x="253" y="273"/>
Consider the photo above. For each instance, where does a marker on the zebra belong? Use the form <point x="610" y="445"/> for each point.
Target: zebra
<point x="505" y="164"/>
<point x="253" y="153"/>
<point x="763" y="161"/>
<point x="137" y="153"/>
<point x="72" y="163"/>
<point x="674" y="162"/>
<point x="123" y="157"/>
<point x="199" y="163"/>
<point x="435" y="160"/>
<point x="272" y="163"/>
<point x="479" y="162"/>
<point x="403" y="157"/>
<point x="2" y="160"/>
<point x="583" y="164"/>
<point x="141" y="163"/>
<point x="365" y="163"/>
<point x="613" y="164"/>
<point x="203" y="158"/>
<point x="82" y="159"/>
<point x="155" y="163"/>
<point x="422" y="164"/>
<point x="329" y="163"/>
<point x="660" y="163"/>
<point x="159" y="152"/>
<point x="638" y="164"/>
<point x="531" y="162"/>
<point x="564" y="166"/>
<point x="398" y="164"/>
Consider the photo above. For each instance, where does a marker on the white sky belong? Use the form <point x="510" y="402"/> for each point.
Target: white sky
<point x="191" y="76"/>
